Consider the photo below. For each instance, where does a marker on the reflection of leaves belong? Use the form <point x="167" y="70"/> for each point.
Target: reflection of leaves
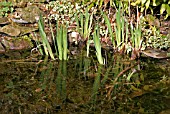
<point x="61" y="80"/>
<point x="96" y="85"/>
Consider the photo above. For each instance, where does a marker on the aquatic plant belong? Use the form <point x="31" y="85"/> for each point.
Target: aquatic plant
<point x="84" y="23"/>
<point x="119" y="29"/>
<point x="109" y="28"/>
<point x="97" y="45"/>
<point x="45" y="42"/>
<point x="96" y="85"/>
<point x="53" y="37"/>
<point x="120" y="36"/>
<point x="59" y="42"/>
<point x="126" y="38"/>
<point x="84" y="26"/>
<point x="61" y="39"/>
<point x="64" y="43"/>
<point x="136" y="38"/>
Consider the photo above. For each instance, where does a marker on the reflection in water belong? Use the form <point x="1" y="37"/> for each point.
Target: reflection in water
<point x="96" y="84"/>
<point x="61" y="80"/>
<point x="80" y="85"/>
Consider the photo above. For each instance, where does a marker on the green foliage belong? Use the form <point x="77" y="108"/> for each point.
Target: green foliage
<point x="127" y="37"/>
<point x="109" y="28"/>
<point x="84" y="26"/>
<point x="5" y="8"/>
<point x="145" y="4"/>
<point x="97" y="45"/>
<point x="64" y="11"/>
<point x="46" y="44"/>
<point x="61" y="39"/>
<point x="121" y="29"/>
<point x="136" y="37"/>
<point x="152" y="35"/>
<point x="156" y="40"/>
<point x="84" y="23"/>
<point x="99" y="3"/>
<point x="165" y="7"/>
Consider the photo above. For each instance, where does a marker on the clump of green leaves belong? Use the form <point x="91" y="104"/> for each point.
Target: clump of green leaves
<point x="149" y="4"/>
<point x="156" y="40"/>
<point x="45" y="42"/>
<point x="84" y="24"/>
<point x="5" y="8"/>
<point x="64" y="11"/>
<point x="152" y="35"/>
<point x="59" y="41"/>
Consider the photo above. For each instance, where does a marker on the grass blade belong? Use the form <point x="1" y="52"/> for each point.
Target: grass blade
<point x="97" y="45"/>
<point x="109" y="28"/>
<point x="64" y="43"/>
<point x="46" y="44"/>
<point x="86" y="24"/>
<point x="59" y="41"/>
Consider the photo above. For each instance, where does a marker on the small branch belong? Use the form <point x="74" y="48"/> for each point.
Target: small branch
<point x="125" y="70"/>
<point x="120" y="74"/>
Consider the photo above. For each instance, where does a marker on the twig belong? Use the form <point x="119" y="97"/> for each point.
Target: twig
<point x="125" y="70"/>
<point x="120" y="74"/>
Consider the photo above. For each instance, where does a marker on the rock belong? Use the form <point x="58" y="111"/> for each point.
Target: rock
<point x="154" y="53"/>
<point x="4" y="20"/>
<point x="2" y="50"/>
<point x="25" y="30"/>
<point x="29" y="14"/>
<point x="15" y="44"/>
<point x="10" y="30"/>
<point x="19" y="44"/>
<point x="16" y="30"/>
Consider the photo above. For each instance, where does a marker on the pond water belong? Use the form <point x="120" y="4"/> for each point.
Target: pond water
<point x="81" y="85"/>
